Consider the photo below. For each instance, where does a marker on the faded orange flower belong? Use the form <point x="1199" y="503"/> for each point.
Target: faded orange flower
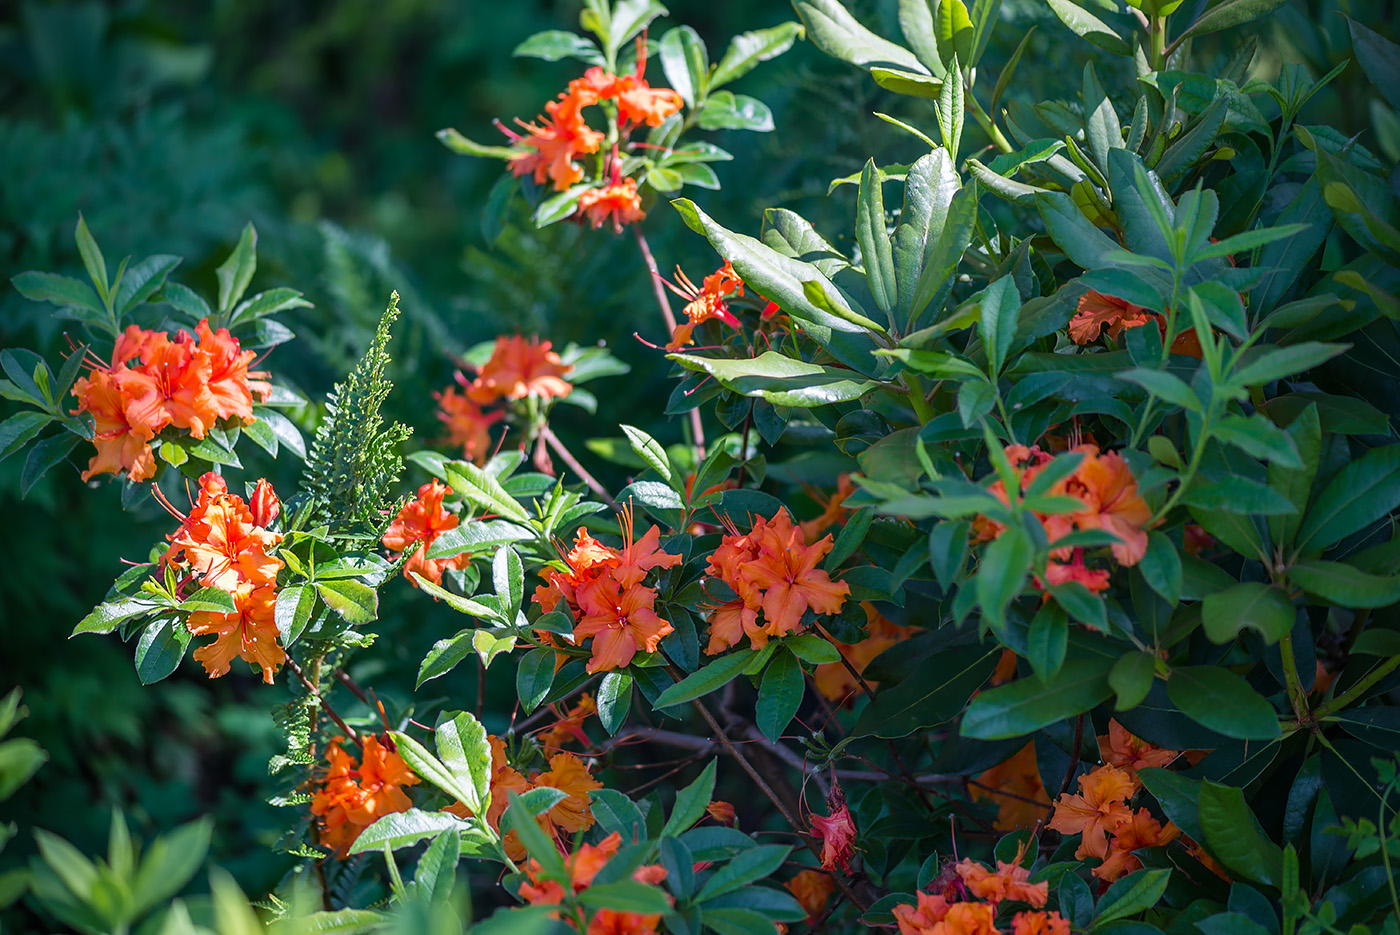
<point x="967" y="919"/>
<point x="468" y="426"/>
<point x="568" y="774"/>
<point x="721" y="812"/>
<point x="418" y="525"/>
<point x="1139" y="831"/>
<point x="924" y="916"/>
<point x="1008" y="881"/>
<point x="520" y="368"/>
<point x="1016" y="787"/>
<point x="836" y="831"/>
<point x="1121" y="748"/>
<point x="617" y="203"/>
<point x="813" y="889"/>
<point x="351" y="796"/>
<point x="1039" y="923"/>
<point x="569" y="727"/>
<point x="1098" y="311"/>
<point x="1100" y="808"/>
<point x="834" y="509"/>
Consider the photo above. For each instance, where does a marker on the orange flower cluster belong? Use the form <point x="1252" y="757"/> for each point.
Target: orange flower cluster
<point x="603" y="588"/>
<point x="550" y="148"/>
<point x="224" y="543"/>
<point x="1105" y="484"/>
<point x="583" y="865"/>
<point x="834" y="680"/>
<point x="418" y="525"/>
<point x="566" y="772"/>
<point x="936" y="914"/>
<point x="184" y="384"/>
<point x="1098" y="312"/>
<point x="705" y="303"/>
<point x="771" y="569"/>
<point x="517" y="368"/>
<point x="1016" y="787"/>
<point x="1111" y="829"/>
<point x="351" y="796"/>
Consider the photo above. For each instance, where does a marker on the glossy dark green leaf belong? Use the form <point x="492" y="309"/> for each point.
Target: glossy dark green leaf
<point x="707" y="679"/>
<point x="779" y="695"/>
<point x="1252" y="604"/>
<point x="919" y="703"/>
<point x="356" y="603"/>
<point x="1222" y="701"/>
<point x="1345" y="585"/>
<point x="1360" y="493"/>
<point x="533" y="678"/>
<point x="1026" y="705"/>
<point x="1131" y="679"/>
<point x="874" y="240"/>
<point x="161" y="647"/>
<point x="1233" y="835"/>
<point x="614" y="699"/>
<point x="1047" y="640"/>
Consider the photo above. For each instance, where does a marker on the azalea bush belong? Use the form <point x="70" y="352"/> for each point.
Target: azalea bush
<point x="1025" y="563"/>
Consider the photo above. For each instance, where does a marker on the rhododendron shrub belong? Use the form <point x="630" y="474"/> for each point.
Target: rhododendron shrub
<point x="1024" y="561"/>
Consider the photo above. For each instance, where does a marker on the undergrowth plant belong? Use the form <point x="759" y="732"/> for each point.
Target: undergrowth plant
<point x="1027" y="564"/>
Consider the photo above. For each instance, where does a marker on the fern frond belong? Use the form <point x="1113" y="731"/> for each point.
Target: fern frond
<point x="354" y="462"/>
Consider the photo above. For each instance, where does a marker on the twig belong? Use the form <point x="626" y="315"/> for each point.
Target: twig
<point x="697" y="428"/>
<point x="1074" y="755"/>
<point x="553" y="441"/>
<point x="321" y="702"/>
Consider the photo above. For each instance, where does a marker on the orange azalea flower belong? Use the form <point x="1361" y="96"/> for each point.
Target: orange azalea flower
<point x="250" y="634"/>
<point x="520" y="368"/>
<point x="966" y="919"/>
<point x="638" y="102"/>
<point x="1139" y="831"/>
<point x="583" y="865"/>
<point x="1060" y="572"/>
<point x="568" y="774"/>
<point x="812" y="889"/>
<point x="618" y="203"/>
<point x="705" y="303"/>
<point x="834" y="509"/>
<point x="221" y="540"/>
<point x="467" y="425"/>
<point x="1008" y="881"/>
<point x="230" y="384"/>
<point x="418" y="525"/>
<point x="121" y="447"/>
<point x="1110" y="493"/>
<point x="1098" y="311"/>
<point x="834" y="680"/>
<point x="923" y="917"/>
<point x="352" y="798"/>
<point x="1207" y="861"/>
<point x="169" y="387"/>
<point x="1017" y="789"/>
<point x="836" y="831"/>
<point x="1028" y="462"/>
<point x="1039" y="923"/>
<point x="622" y="622"/>
<point x="548" y="149"/>
<point x="570" y="726"/>
<point x="1100" y="808"/>
<point x="1120" y="748"/>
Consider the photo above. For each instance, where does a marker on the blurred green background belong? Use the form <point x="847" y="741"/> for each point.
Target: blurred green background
<point x="170" y="124"/>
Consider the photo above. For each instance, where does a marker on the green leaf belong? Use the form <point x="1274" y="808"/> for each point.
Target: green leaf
<point x="725" y="110"/>
<point x="62" y="291"/>
<point x="463" y="748"/>
<point x="1161" y="567"/>
<point x="747" y="49"/>
<point x="462" y="146"/>
<point x="533" y="678"/>
<point x="464" y="605"/>
<point x="837" y="33"/>
<point x="1226" y="13"/>
<point x="685" y="62"/>
<point x="907" y="83"/>
<point x="1164" y="386"/>
<point x="779" y="695"/>
<point x="107" y="616"/>
<point x="237" y="271"/>
<point x="1101" y="127"/>
<point x="211" y="600"/>
<point x="169" y="863"/>
<point x="161" y="647"/>
<point x="706" y="679"/>
<point x="1089" y="27"/>
<point x="1345" y="585"/>
<point x="428" y="767"/>
<point x="1047" y="640"/>
<point x="1276" y="363"/>
<point x="92" y="259"/>
<point x="1363" y="491"/>
<point x="488" y="644"/>
<point x="1002" y="573"/>
<point x="43" y="455"/>
<point x="483" y="491"/>
<point x="1131" y="679"/>
<point x="954" y="36"/>
<point x="1262" y="607"/>
<point x="874" y="240"/>
<point x="951" y="110"/>
<point x="1001" y="310"/>
<point x="1026" y="705"/>
<point x="1379" y="58"/>
<point x="812" y="648"/>
<point x="691" y="802"/>
<point x="1223" y="702"/>
<point x="356" y="603"/>
<point x="141" y="281"/>
<point x="1082" y="604"/>
<point x="508" y="577"/>
<point x="753" y="864"/>
<point x="1233" y="835"/>
<point x="405" y="829"/>
<point x="1132" y="894"/>
<point x="627" y="896"/>
<point x="1178" y="797"/>
<point x="650" y="451"/>
<point x="293" y="611"/>
<point x="1259" y="437"/>
<point x="555" y="44"/>
<point x="779" y="379"/>
<point x="18" y="429"/>
<point x="614" y="699"/>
